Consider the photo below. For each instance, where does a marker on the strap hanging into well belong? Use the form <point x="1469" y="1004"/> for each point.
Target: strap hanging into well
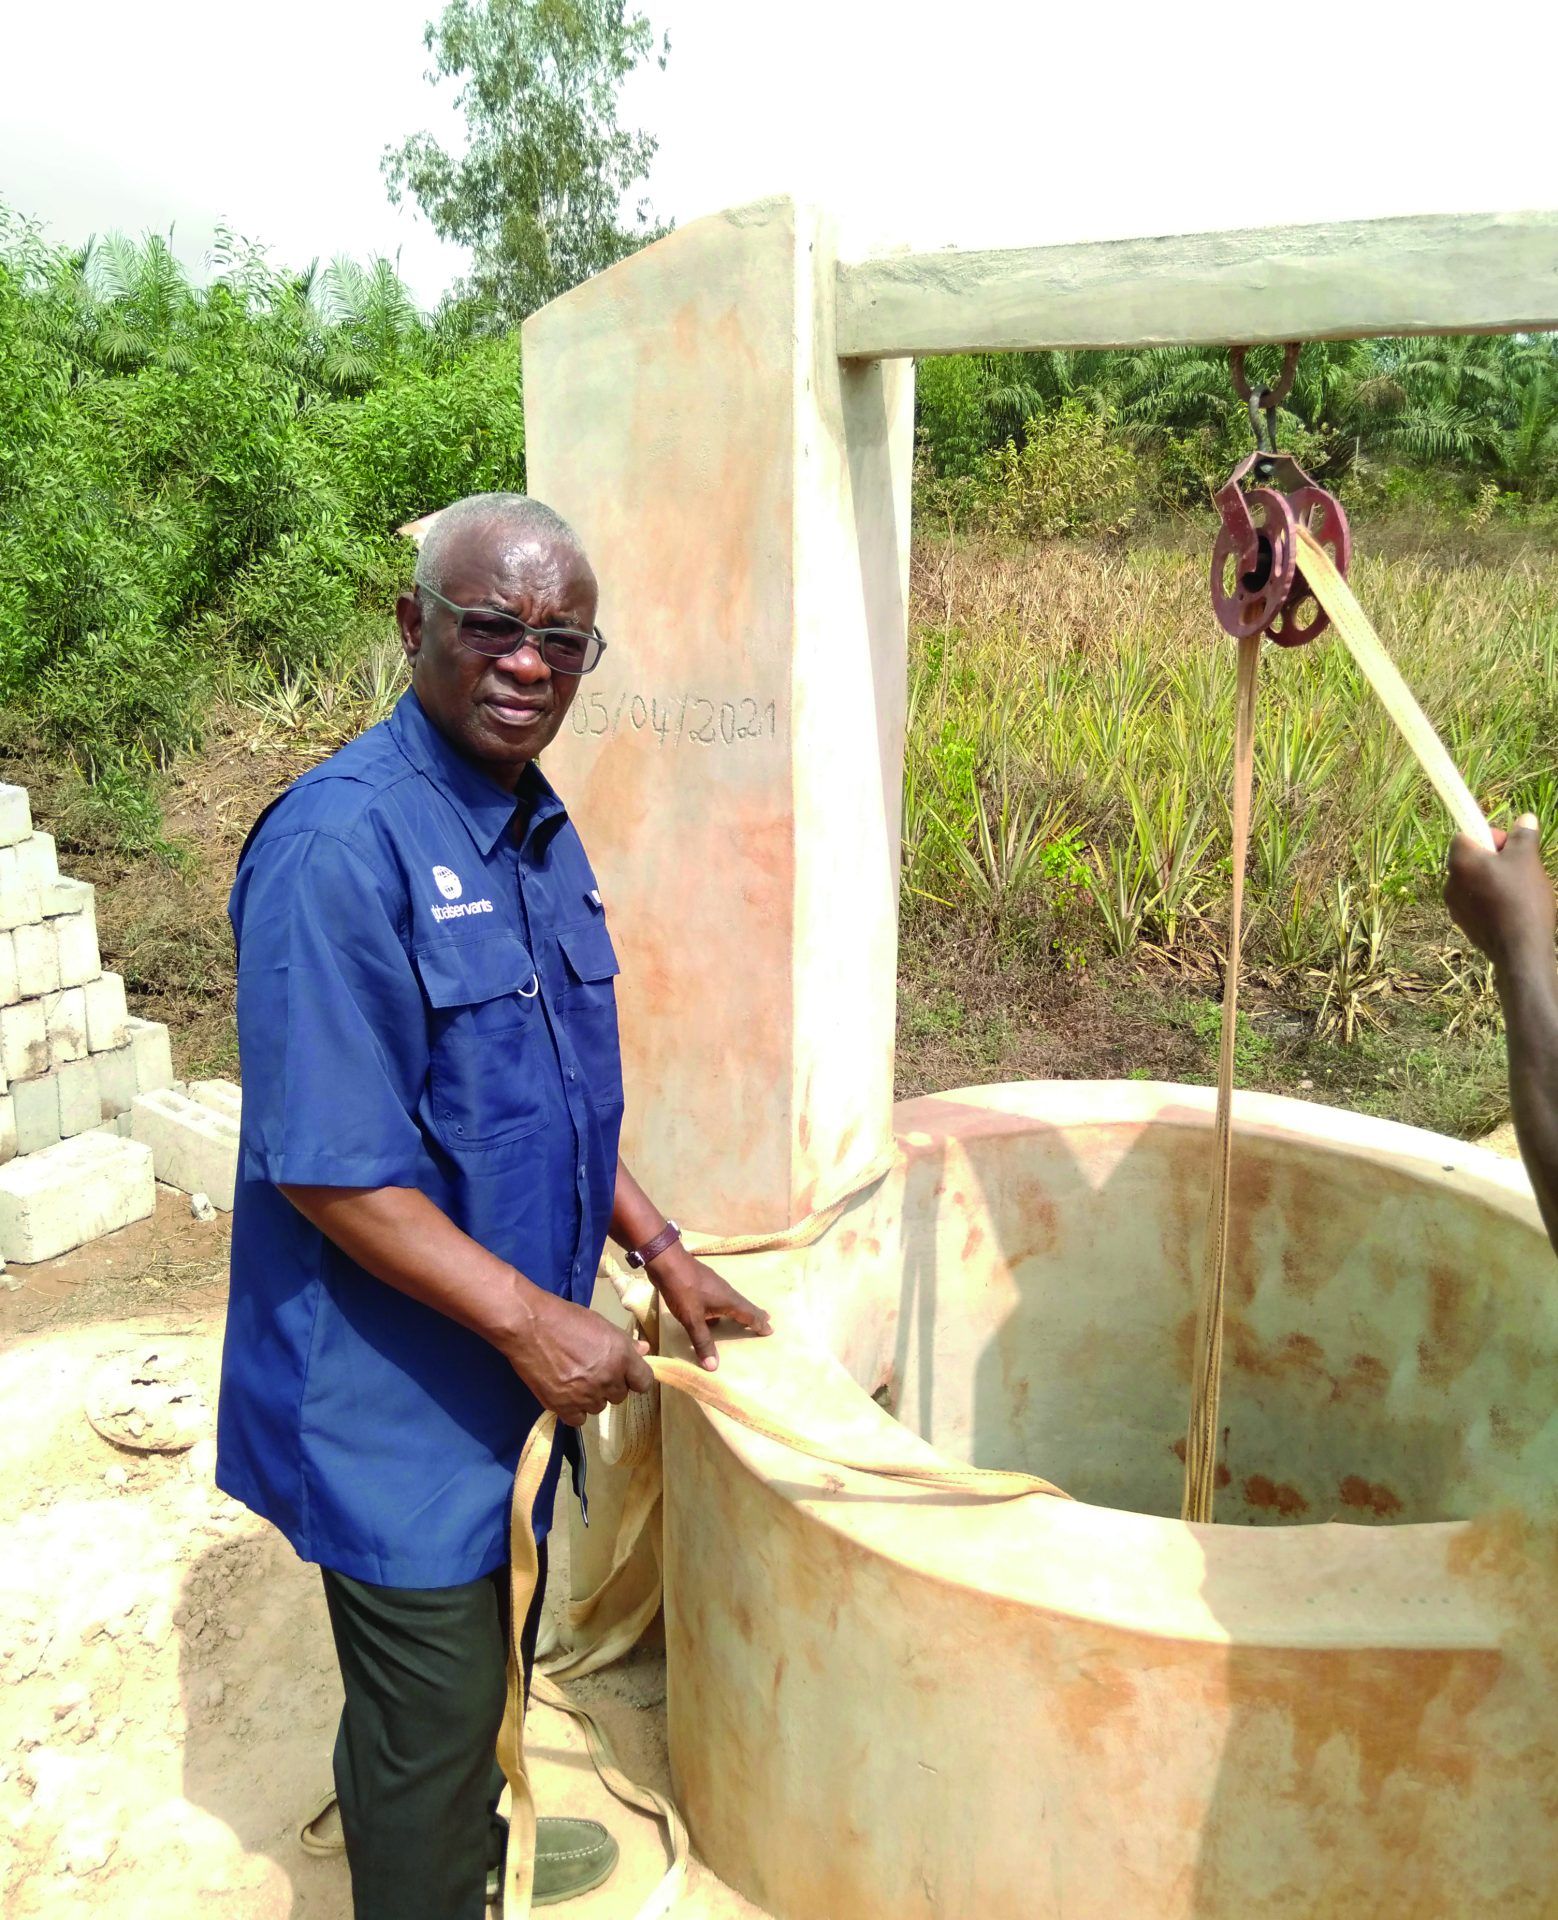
<point x="1206" y="1383"/>
<point x="1363" y="643"/>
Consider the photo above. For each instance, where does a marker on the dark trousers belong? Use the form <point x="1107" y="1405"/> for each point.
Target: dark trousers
<point x="416" y="1770"/>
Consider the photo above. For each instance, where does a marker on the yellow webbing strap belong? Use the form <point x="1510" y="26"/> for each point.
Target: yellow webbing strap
<point x="805" y="1232"/>
<point x="1207" y="1361"/>
<point x="974" y="1483"/>
<point x="631" y="1616"/>
<point x="1376" y="666"/>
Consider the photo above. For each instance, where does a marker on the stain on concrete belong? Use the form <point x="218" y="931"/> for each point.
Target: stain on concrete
<point x="1369" y="1496"/>
<point x="1274" y="1496"/>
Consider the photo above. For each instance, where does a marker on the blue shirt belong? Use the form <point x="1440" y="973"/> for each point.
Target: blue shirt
<point x="425" y="999"/>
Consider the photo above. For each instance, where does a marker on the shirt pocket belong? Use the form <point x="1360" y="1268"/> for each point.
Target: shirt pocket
<point x="486" y="1080"/>
<point x="588" y="1007"/>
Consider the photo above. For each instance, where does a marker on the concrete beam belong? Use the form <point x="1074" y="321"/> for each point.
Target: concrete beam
<point x="705" y="766"/>
<point x="1470" y="273"/>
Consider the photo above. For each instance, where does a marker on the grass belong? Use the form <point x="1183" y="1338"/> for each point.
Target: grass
<point x="1066" y="818"/>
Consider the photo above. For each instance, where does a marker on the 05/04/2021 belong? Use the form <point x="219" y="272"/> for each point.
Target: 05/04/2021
<point x="688" y="716"/>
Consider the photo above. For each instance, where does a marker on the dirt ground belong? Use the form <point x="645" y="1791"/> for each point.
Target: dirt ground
<point x="168" y="1694"/>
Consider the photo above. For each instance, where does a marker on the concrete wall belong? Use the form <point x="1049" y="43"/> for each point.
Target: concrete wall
<point x="734" y="764"/>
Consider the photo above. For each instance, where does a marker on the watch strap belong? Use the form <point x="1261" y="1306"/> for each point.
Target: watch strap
<point x="668" y="1236"/>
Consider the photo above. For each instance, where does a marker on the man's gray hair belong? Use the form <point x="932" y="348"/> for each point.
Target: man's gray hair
<point x="516" y="519"/>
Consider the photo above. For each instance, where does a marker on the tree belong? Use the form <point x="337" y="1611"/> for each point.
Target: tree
<point x="202" y="482"/>
<point x="538" y="194"/>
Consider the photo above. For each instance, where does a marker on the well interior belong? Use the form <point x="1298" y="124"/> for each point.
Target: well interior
<point x="1391" y="1339"/>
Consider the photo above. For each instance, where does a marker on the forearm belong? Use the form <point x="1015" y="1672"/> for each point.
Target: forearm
<point x="1529" y="992"/>
<point x="635" y="1219"/>
<point x="401" y="1238"/>
<point x="697" y="1295"/>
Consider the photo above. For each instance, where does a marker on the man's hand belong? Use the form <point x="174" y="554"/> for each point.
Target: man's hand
<point x="1503" y="901"/>
<point x="575" y="1361"/>
<point x="699" y="1297"/>
<point x="572" y="1360"/>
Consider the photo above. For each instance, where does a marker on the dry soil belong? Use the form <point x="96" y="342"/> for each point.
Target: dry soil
<point x="168" y="1693"/>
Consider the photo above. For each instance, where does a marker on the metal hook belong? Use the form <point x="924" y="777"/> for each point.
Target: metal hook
<point x="1264" y="401"/>
<point x="1274" y="395"/>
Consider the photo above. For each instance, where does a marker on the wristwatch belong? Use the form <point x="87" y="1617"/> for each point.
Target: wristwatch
<point x="668" y="1236"/>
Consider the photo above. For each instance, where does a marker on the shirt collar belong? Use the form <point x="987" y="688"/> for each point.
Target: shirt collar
<point x="487" y="809"/>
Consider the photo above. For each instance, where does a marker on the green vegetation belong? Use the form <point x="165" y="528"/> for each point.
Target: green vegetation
<point x="200" y="485"/>
<point x="1071" y="740"/>
<point x="1066" y="802"/>
<point x="537" y="193"/>
<point x="1090" y="442"/>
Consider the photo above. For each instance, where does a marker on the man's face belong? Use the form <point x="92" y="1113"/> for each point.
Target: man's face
<point x="499" y="713"/>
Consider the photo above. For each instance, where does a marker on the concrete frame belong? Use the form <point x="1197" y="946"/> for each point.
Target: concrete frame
<point x="726" y="417"/>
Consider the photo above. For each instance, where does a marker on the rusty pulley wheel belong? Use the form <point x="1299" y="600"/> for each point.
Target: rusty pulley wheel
<point x="1248" y="597"/>
<point x="1302" y="617"/>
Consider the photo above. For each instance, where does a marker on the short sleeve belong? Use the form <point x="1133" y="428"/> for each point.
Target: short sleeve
<point x="332" y="1033"/>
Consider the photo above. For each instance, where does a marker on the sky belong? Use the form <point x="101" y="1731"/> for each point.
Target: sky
<point x="970" y="122"/>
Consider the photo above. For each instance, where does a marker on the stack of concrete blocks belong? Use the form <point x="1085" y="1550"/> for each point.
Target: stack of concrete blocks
<point x="75" y="1162"/>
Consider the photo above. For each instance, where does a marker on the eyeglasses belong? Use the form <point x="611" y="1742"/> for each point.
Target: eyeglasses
<point x="496" y="635"/>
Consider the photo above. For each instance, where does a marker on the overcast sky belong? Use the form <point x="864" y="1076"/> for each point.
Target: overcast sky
<point x="969" y="121"/>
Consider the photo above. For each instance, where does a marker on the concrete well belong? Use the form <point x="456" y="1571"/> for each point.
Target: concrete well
<point x="884" y="1706"/>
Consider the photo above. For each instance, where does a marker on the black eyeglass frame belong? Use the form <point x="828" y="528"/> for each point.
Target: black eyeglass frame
<point x="537" y="637"/>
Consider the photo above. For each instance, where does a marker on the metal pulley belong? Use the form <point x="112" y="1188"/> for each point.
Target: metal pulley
<point x="1257" y="583"/>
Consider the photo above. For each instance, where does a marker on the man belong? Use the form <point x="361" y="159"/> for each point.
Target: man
<point x="432" y="1099"/>
<point x="1504" y="902"/>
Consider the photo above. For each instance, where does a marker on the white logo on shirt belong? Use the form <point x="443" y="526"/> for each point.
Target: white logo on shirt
<point x="448" y="883"/>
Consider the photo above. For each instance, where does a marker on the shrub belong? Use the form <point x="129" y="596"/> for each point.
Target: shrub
<point x="951" y="415"/>
<point x="1069" y="476"/>
<point x="195" y="481"/>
